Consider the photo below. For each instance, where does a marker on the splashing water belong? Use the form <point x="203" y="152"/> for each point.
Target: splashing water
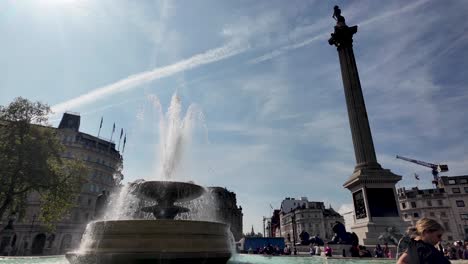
<point x="201" y="209"/>
<point x="122" y="204"/>
<point x="175" y="136"/>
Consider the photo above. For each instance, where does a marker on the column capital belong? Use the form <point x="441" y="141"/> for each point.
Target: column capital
<point x="343" y="35"/>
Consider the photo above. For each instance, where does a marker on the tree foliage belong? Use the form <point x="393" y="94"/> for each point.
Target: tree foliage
<point x="30" y="161"/>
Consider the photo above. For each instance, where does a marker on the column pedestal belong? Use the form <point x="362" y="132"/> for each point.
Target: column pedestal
<point x="375" y="206"/>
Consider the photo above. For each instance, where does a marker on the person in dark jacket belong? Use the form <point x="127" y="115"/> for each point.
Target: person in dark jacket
<point x="421" y="249"/>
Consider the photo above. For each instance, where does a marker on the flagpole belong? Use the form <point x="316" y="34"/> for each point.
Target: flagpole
<point x="100" y="126"/>
<point x="120" y="139"/>
<point x="113" y="130"/>
<point x="125" y="141"/>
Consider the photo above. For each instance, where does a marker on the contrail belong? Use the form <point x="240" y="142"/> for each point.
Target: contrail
<point x="135" y="80"/>
<point x="322" y="36"/>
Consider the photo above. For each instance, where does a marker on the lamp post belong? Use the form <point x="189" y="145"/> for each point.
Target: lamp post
<point x="7" y="234"/>
<point x="293" y="222"/>
<point x="29" y="237"/>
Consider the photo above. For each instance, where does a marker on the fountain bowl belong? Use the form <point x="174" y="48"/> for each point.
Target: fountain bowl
<point x="154" y="241"/>
<point x="168" y="191"/>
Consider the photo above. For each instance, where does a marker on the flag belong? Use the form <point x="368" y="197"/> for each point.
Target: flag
<point x="416" y="176"/>
<point x="100" y="126"/>
<point x="271" y="206"/>
<point x="113" y="128"/>
<point x="121" y="133"/>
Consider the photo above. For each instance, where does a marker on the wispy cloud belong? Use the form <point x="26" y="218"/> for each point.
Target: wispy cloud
<point x="284" y="49"/>
<point x="133" y="81"/>
<point x="306" y="30"/>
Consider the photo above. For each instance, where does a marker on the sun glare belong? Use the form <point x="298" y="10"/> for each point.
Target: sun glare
<point x="51" y="3"/>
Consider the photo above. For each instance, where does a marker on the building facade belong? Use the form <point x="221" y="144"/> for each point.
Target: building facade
<point x="227" y="210"/>
<point x="303" y="215"/>
<point x="103" y="161"/>
<point x="447" y="204"/>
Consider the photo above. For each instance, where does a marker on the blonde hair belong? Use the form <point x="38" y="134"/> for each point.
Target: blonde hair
<point x="424" y="224"/>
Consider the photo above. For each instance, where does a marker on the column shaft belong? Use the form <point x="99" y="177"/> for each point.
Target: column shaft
<point x="358" y="121"/>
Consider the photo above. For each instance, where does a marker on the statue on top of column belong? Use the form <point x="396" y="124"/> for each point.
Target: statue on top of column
<point x="337" y="15"/>
<point x="343" y="35"/>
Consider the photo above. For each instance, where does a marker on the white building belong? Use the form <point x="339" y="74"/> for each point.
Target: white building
<point x="302" y="215"/>
<point x="447" y="204"/>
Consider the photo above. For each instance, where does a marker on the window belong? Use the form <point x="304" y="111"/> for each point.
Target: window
<point x="403" y="205"/>
<point x="460" y="203"/>
<point x="463" y="181"/>
<point x="76" y="217"/>
<point x="443" y="214"/>
<point x="466" y="189"/>
<point x="413" y="204"/>
<point x="406" y="215"/>
<point x="447" y="226"/>
<point x="416" y="214"/>
<point x="439" y="202"/>
<point x="450" y="237"/>
<point x="89" y="201"/>
<point x="456" y="190"/>
<point x="452" y="182"/>
<point x="431" y="214"/>
<point x="464" y="216"/>
<point x="429" y="203"/>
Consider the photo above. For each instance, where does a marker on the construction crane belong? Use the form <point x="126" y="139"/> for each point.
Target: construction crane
<point x="435" y="168"/>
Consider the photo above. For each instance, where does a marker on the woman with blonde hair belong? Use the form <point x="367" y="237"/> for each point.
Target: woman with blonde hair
<point x="421" y="249"/>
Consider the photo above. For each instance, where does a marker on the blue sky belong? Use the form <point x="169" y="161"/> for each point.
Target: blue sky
<point x="274" y="121"/>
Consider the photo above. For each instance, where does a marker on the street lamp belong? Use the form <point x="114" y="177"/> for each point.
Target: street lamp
<point x="293" y="218"/>
<point x="7" y="234"/>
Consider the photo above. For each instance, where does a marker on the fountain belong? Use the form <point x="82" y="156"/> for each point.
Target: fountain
<point x="163" y="239"/>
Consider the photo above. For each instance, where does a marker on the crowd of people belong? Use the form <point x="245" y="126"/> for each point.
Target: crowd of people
<point x="425" y="246"/>
<point x="271" y="250"/>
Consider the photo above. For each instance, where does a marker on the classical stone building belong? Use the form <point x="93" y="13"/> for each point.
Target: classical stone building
<point x="227" y="210"/>
<point x="303" y="215"/>
<point x="447" y="204"/>
<point x="103" y="161"/>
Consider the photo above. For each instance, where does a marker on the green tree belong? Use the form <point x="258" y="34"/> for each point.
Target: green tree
<point x="30" y="161"/>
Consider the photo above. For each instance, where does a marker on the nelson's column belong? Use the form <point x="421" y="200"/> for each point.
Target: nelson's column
<point x="372" y="187"/>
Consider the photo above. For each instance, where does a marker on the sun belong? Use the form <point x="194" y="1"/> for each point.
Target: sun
<point x="58" y="2"/>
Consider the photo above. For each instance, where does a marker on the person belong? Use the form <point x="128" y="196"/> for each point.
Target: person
<point x="317" y="250"/>
<point x="287" y="250"/>
<point x="459" y="249"/>
<point x="378" y="251"/>
<point x="328" y="250"/>
<point x="386" y="250"/>
<point x="354" y="250"/>
<point x="421" y="249"/>
<point x="312" y="250"/>
<point x="465" y="252"/>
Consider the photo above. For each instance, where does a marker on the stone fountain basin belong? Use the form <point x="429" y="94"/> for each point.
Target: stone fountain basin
<point x="154" y="241"/>
<point x="168" y="191"/>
